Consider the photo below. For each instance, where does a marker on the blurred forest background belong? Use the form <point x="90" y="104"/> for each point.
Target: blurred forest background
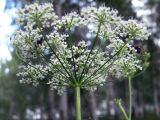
<point x="24" y="102"/>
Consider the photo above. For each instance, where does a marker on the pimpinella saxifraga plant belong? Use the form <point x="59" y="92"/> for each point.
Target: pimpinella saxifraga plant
<point x="51" y="55"/>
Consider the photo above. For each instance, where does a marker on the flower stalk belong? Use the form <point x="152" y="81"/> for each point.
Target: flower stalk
<point x="130" y="97"/>
<point x="119" y="103"/>
<point x="78" y="103"/>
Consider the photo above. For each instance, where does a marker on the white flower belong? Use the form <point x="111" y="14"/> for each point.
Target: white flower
<point x="52" y="56"/>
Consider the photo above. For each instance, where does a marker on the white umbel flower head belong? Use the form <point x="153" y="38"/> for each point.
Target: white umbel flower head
<point x="52" y="55"/>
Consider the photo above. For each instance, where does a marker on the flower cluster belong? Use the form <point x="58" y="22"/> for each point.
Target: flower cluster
<point x="51" y="54"/>
<point x="31" y="74"/>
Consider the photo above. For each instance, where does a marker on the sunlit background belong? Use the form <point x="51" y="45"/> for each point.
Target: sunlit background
<point x="6" y="29"/>
<point x="23" y="102"/>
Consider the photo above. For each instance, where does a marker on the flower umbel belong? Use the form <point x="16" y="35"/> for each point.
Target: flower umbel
<point x="51" y="54"/>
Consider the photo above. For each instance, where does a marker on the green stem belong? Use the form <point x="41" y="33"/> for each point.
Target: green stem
<point x="78" y="103"/>
<point x="130" y="98"/>
<point x="119" y="104"/>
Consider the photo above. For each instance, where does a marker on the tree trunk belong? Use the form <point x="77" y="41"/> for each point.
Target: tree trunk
<point x="64" y="106"/>
<point x="93" y="105"/>
<point x="155" y="97"/>
<point x="141" y="104"/>
<point x="50" y="97"/>
<point x="135" y="104"/>
<point x="57" y="7"/>
<point x="110" y="98"/>
<point x="11" y="108"/>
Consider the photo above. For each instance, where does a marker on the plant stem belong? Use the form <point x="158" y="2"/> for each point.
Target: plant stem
<point x="130" y="97"/>
<point x="119" y="104"/>
<point x="78" y="103"/>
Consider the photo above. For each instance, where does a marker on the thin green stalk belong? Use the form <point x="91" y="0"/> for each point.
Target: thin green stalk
<point x="78" y="103"/>
<point x="94" y="43"/>
<point x="130" y="97"/>
<point x="119" y="104"/>
<point x="46" y="40"/>
<point x="116" y="54"/>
